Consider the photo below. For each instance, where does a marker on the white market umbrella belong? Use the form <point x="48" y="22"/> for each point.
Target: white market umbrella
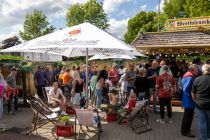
<point x="102" y="57"/>
<point x="80" y="40"/>
<point x="73" y="41"/>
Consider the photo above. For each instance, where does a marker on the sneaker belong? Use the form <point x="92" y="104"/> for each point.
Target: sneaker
<point x="170" y="120"/>
<point x="160" y="121"/>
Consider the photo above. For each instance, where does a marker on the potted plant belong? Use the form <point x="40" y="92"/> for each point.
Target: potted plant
<point x="110" y="108"/>
<point x="65" y="120"/>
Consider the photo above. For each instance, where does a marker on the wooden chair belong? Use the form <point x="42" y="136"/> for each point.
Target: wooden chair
<point x="42" y="114"/>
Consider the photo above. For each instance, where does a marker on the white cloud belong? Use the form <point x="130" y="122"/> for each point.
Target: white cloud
<point x="143" y="7"/>
<point x="13" y="13"/>
<point x="110" y="6"/>
<point x="118" y="27"/>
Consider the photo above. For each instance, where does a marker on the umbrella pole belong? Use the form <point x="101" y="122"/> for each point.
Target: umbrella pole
<point x="87" y="78"/>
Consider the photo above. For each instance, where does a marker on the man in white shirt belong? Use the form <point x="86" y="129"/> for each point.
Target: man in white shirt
<point x="57" y="98"/>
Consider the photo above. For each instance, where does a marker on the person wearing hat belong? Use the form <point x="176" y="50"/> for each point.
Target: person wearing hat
<point x="12" y="91"/>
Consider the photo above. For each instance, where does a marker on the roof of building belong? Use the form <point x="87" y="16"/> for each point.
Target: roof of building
<point x="173" y="39"/>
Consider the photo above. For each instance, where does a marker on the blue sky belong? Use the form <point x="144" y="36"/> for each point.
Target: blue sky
<point x="12" y="13"/>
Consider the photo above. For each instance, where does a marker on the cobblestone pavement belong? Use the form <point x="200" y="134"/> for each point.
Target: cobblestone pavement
<point x="111" y="131"/>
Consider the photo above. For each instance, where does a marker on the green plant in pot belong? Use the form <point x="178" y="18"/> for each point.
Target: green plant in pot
<point x="110" y="108"/>
<point x="65" y="120"/>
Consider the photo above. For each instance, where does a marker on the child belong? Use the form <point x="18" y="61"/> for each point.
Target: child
<point x="114" y="99"/>
<point x="129" y="107"/>
<point x="132" y="101"/>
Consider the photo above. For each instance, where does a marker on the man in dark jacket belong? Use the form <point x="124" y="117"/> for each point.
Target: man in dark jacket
<point x="201" y="96"/>
<point x="187" y="101"/>
<point x="40" y="81"/>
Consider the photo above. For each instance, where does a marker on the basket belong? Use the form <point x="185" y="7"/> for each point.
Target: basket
<point x="65" y="131"/>
<point x="111" y="117"/>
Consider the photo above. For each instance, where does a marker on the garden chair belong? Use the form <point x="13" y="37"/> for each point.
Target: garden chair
<point x="46" y="91"/>
<point x="47" y="105"/>
<point x="89" y="118"/>
<point x="42" y="115"/>
<point x="138" y="117"/>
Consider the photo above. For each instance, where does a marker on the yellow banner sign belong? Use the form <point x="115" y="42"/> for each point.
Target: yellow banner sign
<point x="187" y="23"/>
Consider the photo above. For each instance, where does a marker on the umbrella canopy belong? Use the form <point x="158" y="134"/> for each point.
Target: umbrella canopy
<point x="73" y="41"/>
<point x="101" y="57"/>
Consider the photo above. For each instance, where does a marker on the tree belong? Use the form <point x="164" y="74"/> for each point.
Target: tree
<point x="91" y="11"/>
<point x="36" y="25"/>
<point x="196" y="8"/>
<point x="9" y="42"/>
<point x="173" y="8"/>
<point x="186" y="8"/>
<point x="145" y="22"/>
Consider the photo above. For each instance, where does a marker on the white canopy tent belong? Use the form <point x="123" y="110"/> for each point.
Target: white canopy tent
<point x="80" y="40"/>
<point x="102" y="57"/>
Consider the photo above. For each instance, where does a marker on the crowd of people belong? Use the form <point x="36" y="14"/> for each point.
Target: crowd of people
<point x="153" y="81"/>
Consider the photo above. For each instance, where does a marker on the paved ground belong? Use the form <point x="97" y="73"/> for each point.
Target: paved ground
<point x="111" y="131"/>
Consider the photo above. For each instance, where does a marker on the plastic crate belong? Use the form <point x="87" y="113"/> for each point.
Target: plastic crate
<point x="65" y="131"/>
<point x="111" y="117"/>
<point x="70" y="110"/>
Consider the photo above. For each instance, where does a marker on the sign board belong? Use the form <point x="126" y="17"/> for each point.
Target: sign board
<point x="187" y="23"/>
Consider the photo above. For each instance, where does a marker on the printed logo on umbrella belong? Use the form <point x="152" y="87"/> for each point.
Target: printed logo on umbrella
<point x="74" y="32"/>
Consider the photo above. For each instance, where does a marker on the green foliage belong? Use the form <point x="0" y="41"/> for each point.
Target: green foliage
<point x="59" y="63"/>
<point x="11" y="57"/>
<point x="145" y="22"/>
<point x="191" y="8"/>
<point x="191" y="58"/>
<point x="172" y="8"/>
<point x="91" y="11"/>
<point x="9" y="42"/>
<point x="196" y="8"/>
<point x="28" y="67"/>
<point x="36" y="25"/>
<point x="64" y="118"/>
